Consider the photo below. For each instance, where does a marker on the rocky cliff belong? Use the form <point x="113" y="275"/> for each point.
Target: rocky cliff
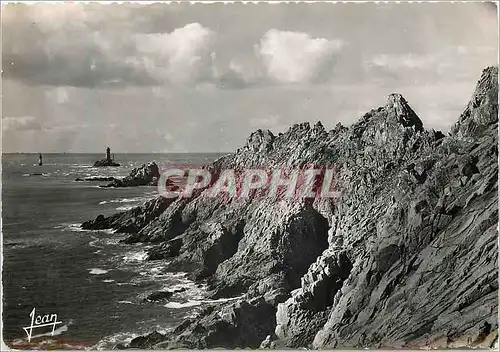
<point x="406" y="257"/>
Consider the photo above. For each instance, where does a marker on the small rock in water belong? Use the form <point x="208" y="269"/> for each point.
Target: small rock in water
<point x="159" y="296"/>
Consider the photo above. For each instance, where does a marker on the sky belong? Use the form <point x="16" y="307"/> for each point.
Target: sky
<point x="201" y="78"/>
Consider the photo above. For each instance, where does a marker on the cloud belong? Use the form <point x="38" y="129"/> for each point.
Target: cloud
<point x="83" y="45"/>
<point x="436" y="65"/>
<point x="73" y="56"/>
<point x="235" y="76"/>
<point x="270" y="121"/>
<point x="184" y="55"/>
<point x="20" y="123"/>
<point x="76" y="45"/>
<point x="296" y="57"/>
<point x="398" y="62"/>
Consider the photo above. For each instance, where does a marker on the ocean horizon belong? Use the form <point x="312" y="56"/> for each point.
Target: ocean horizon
<point x="96" y="285"/>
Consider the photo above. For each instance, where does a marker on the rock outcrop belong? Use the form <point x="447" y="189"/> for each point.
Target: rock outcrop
<point x="130" y="221"/>
<point x="105" y="162"/>
<point x="406" y="257"/>
<point x="96" y="178"/>
<point x="146" y="175"/>
<point x="482" y="110"/>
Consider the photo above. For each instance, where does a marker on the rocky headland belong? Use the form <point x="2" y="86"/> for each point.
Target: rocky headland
<point x="407" y="257"/>
<point x="146" y="175"/>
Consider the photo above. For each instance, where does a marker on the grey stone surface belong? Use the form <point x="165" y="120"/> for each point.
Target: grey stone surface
<point x="406" y="257"/>
<point x="146" y="175"/>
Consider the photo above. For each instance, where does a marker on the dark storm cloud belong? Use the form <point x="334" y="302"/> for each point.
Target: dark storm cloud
<point x="79" y="70"/>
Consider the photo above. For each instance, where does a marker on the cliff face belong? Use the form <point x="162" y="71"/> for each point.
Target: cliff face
<point x="406" y="257"/>
<point x="423" y="250"/>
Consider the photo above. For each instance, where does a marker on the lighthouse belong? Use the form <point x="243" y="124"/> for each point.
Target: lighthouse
<point x="108" y="161"/>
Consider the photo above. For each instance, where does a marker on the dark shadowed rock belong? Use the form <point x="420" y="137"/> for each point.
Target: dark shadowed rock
<point x="159" y="296"/>
<point x="130" y="221"/>
<point x="142" y="342"/>
<point x="162" y="295"/>
<point x="166" y="250"/>
<point x="97" y="178"/>
<point x="243" y="323"/>
<point x="146" y="175"/>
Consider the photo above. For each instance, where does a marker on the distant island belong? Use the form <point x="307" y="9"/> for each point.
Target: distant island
<point x="108" y="161"/>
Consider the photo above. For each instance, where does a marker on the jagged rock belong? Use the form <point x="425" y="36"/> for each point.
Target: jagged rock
<point x="146" y="175"/>
<point x="482" y="110"/>
<point x="142" y="342"/>
<point x="405" y="258"/>
<point x="159" y="296"/>
<point x="96" y="178"/>
<point x="406" y="116"/>
<point x="130" y="221"/>
<point x="260" y="141"/>
<point x="244" y="323"/>
<point x="165" y="250"/>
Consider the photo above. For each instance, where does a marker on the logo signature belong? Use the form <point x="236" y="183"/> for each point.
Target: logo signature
<point x="39" y="321"/>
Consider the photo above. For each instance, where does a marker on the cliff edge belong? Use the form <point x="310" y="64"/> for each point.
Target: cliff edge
<point x="406" y="257"/>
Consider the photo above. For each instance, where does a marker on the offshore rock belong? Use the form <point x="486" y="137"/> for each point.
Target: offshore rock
<point x="405" y="258"/>
<point x="146" y="175"/>
<point x="96" y="178"/>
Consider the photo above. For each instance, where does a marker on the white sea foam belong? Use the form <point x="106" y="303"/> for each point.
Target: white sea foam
<point x="177" y="305"/>
<point x="135" y="256"/>
<point x="125" y="208"/>
<point x="112" y="241"/>
<point x="123" y="200"/>
<point x="94" y="243"/>
<point x="97" y="271"/>
<point x="109" y="342"/>
<point x="80" y="166"/>
<point x="125" y="302"/>
<point x="73" y="227"/>
<point x="193" y="303"/>
<point x="108" y="281"/>
<point x="57" y="331"/>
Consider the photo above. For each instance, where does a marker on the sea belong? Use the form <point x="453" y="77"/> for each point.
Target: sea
<point x="95" y="284"/>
